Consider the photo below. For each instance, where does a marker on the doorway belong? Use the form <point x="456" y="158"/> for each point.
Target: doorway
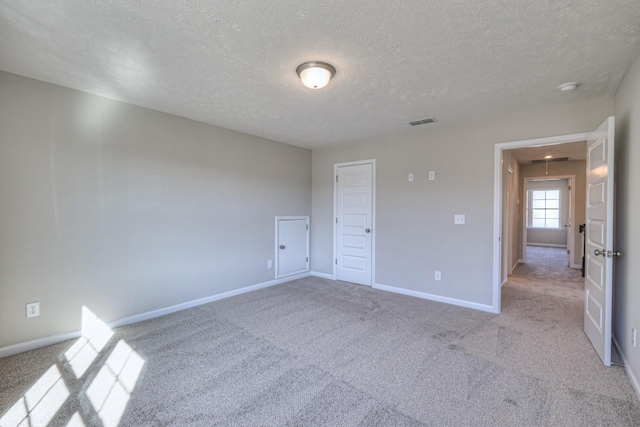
<point x="599" y="220"/>
<point x="550" y="214"/>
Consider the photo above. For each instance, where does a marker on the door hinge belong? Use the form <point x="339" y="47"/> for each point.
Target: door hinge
<point x="336" y="178"/>
<point x="569" y="188"/>
<point x="307" y="227"/>
<point x="307" y="259"/>
<point x="336" y="220"/>
<point x="568" y="251"/>
<point x="336" y="261"/>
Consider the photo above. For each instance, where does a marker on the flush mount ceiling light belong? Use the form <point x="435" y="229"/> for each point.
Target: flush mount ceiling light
<point x="548" y="157"/>
<point x="568" y="87"/>
<point x="314" y="74"/>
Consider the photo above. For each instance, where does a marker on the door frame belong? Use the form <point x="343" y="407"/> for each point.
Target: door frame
<point x="497" y="200"/>
<point x="372" y="162"/>
<point x="572" y="210"/>
<point x="277" y="250"/>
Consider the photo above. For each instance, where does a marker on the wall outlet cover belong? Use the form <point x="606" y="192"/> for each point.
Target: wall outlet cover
<point x="410" y="177"/>
<point x="432" y="175"/>
<point x="459" y="219"/>
<point x="438" y="275"/>
<point x="33" y="309"/>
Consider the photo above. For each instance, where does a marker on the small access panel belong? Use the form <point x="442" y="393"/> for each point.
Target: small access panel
<point x="292" y="245"/>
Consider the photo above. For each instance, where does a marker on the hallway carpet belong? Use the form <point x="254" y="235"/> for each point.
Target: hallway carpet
<point x="315" y="352"/>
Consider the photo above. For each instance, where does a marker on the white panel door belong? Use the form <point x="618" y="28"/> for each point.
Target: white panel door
<point x="599" y="251"/>
<point x="292" y="246"/>
<point x="354" y="213"/>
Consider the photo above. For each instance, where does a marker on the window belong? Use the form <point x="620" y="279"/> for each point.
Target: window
<point x="543" y="208"/>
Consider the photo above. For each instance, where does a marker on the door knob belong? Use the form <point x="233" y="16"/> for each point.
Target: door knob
<point x="368" y="230"/>
<point x="611" y="254"/>
<point x="281" y="246"/>
<point x="598" y="252"/>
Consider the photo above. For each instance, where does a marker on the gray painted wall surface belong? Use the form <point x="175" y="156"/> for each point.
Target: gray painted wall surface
<point x="127" y="210"/>
<point x="627" y="236"/>
<point x="555" y="237"/>
<point x="577" y="168"/>
<point x="414" y="232"/>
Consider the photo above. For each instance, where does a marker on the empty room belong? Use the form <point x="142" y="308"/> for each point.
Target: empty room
<point x="310" y="213"/>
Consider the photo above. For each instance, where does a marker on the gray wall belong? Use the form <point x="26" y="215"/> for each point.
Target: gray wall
<point x="127" y="210"/>
<point x="627" y="236"/>
<point x="577" y="168"/>
<point x="414" y="232"/>
<point x="550" y="237"/>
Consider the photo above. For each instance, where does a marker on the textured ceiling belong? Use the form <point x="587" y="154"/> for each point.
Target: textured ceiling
<point x="232" y="63"/>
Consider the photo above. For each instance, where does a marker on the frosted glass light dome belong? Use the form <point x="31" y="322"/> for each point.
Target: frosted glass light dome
<point x="315" y="75"/>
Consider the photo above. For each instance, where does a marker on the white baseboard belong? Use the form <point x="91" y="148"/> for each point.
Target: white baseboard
<point x="632" y="377"/>
<point x="323" y="275"/>
<point x="40" y="342"/>
<point x="546" y="245"/>
<point x="520" y="261"/>
<point x="504" y="282"/>
<point x="576" y="266"/>
<point x="55" y="339"/>
<point x="438" y="298"/>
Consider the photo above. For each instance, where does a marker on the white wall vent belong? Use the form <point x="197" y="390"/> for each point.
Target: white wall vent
<point x="423" y="121"/>
<point x="557" y="159"/>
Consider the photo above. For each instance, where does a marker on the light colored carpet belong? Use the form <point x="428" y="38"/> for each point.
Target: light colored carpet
<point x="317" y="352"/>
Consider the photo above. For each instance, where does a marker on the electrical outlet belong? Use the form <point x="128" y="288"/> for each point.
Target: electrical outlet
<point x="270" y="264"/>
<point x="459" y="219"/>
<point x="633" y="336"/>
<point x="432" y="175"/>
<point x="438" y="275"/>
<point x="33" y="309"/>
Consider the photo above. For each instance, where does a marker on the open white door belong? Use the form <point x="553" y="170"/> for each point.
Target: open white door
<point x="599" y="251"/>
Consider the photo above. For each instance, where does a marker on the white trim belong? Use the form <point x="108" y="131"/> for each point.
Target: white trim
<point x="577" y="266"/>
<point x="322" y="275"/>
<point x="520" y="261"/>
<point x="632" y="376"/>
<point x="497" y="200"/>
<point x="55" y="339"/>
<point x="40" y="342"/>
<point x="277" y="254"/>
<point x="373" y="214"/>
<point x="504" y="282"/>
<point x="547" y="245"/>
<point x="432" y="297"/>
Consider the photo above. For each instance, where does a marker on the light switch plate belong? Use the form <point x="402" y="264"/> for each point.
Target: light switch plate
<point x="432" y="175"/>
<point x="459" y="219"/>
<point x="410" y="177"/>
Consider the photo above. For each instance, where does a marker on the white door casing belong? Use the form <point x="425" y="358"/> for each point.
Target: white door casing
<point x="354" y="222"/>
<point x="599" y="252"/>
<point x="569" y="224"/>
<point x="292" y="245"/>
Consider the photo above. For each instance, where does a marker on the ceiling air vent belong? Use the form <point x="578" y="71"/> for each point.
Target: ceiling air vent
<point x="423" y="121"/>
<point x="557" y="159"/>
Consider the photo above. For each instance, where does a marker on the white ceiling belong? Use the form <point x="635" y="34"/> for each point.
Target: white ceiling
<point x="572" y="150"/>
<point x="232" y="63"/>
